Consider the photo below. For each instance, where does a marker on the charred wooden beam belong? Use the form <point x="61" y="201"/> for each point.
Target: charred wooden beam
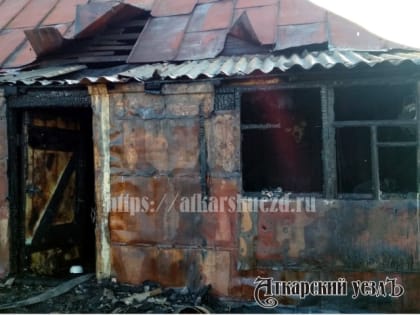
<point x="329" y="146"/>
<point x="397" y="144"/>
<point x="376" y="181"/>
<point x="42" y="98"/>
<point x="376" y="123"/>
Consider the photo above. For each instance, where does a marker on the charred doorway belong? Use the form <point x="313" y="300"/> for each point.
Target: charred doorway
<point x="53" y="188"/>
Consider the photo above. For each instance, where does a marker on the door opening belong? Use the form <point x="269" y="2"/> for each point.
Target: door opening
<point x="56" y="190"/>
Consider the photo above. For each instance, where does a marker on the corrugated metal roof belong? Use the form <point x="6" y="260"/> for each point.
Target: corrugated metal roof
<point x="243" y="65"/>
<point x="220" y="66"/>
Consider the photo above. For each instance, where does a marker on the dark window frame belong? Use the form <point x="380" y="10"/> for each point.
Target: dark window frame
<point x="229" y="98"/>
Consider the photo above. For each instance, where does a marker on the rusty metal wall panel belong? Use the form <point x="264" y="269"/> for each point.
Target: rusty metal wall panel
<point x="170" y="7"/>
<point x="300" y="35"/>
<point x="300" y="12"/>
<point x="179" y="267"/>
<point x="347" y="35"/>
<point x="202" y="45"/>
<point x="174" y="267"/>
<point x="211" y="16"/>
<point x="155" y="154"/>
<point x="350" y="234"/>
<point x="160" y="39"/>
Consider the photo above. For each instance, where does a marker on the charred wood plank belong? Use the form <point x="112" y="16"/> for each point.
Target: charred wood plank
<point x="377" y="123"/>
<point x="52" y="207"/>
<point x="397" y="144"/>
<point x="328" y="137"/>
<point x="110" y="48"/>
<point x="376" y="184"/>
<point x="103" y="59"/>
<point x="120" y="36"/>
<point x="135" y="23"/>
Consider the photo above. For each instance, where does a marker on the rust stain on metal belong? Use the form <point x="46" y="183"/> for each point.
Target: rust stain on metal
<point x="44" y="40"/>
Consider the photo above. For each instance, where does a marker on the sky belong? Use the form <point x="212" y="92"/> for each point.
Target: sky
<point x="395" y="20"/>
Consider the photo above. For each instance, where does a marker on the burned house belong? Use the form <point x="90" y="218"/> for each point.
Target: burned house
<point x="200" y="142"/>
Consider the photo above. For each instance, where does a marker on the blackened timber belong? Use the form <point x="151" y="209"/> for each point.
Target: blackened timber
<point x="328" y="137"/>
<point x="375" y="162"/>
<point x="397" y="144"/>
<point x="50" y="98"/>
<point x="418" y="172"/>
<point x="418" y="145"/>
<point x="120" y="36"/>
<point x="377" y="123"/>
<point x="110" y="48"/>
<point x="103" y="59"/>
<point x="15" y="204"/>
<point x="52" y="206"/>
<point x="203" y="153"/>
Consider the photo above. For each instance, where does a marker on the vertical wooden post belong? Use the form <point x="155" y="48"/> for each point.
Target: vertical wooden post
<point x="328" y="142"/>
<point x="101" y="126"/>
<point x="4" y="206"/>
<point x="418" y="137"/>
<point x="418" y="172"/>
<point x="376" y="185"/>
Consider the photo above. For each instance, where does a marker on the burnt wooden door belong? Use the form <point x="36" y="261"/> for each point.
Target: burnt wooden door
<point x="56" y="192"/>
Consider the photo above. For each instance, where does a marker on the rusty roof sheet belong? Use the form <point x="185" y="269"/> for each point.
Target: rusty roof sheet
<point x="289" y="36"/>
<point x="170" y="7"/>
<point x="203" y="45"/>
<point x="211" y="16"/>
<point x="276" y="24"/>
<point x="210" y="68"/>
<point x="262" y="19"/>
<point x="292" y="12"/>
<point x="150" y="47"/>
